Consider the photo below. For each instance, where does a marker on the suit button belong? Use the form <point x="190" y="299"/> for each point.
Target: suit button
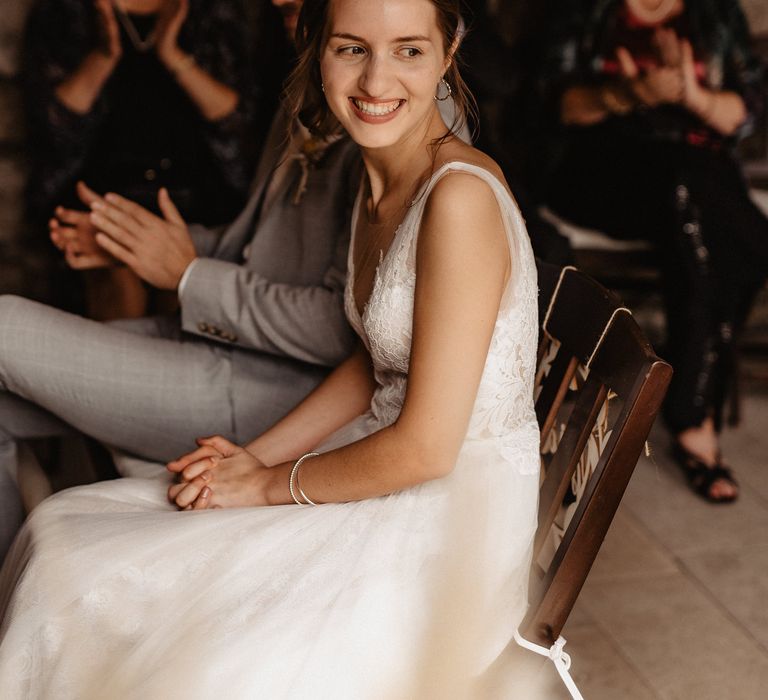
<point x="216" y="331"/>
<point x="203" y="327"/>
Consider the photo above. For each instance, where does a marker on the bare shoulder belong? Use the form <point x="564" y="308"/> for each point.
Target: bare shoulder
<point x="462" y="194"/>
<point x="462" y="209"/>
<point x="459" y="151"/>
<point x="459" y="189"/>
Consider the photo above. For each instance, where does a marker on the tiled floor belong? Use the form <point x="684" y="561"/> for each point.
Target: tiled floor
<point x="676" y="606"/>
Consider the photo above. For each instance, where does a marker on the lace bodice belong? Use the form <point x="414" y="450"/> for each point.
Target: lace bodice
<point x="503" y="410"/>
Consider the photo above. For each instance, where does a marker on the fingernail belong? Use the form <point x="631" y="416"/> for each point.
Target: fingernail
<point x="110" y="197"/>
<point x="205" y="492"/>
<point x="96" y="204"/>
<point x="206" y="476"/>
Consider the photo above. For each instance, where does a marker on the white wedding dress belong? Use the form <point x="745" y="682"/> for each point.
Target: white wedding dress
<point x="110" y="593"/>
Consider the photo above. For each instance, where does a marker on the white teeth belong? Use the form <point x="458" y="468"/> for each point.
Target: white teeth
<point x="379" y="109"/>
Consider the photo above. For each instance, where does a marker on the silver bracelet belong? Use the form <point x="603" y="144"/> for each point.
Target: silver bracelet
<point x="295" y="476"/>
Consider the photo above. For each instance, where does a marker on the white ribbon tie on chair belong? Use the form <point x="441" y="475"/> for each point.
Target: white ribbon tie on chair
<point x="560" y="659"/>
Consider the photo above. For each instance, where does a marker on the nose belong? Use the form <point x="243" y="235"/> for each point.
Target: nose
<point x="375" y="77"/>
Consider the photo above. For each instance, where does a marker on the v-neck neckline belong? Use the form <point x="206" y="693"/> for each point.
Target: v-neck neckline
<point x="351" y="271"/>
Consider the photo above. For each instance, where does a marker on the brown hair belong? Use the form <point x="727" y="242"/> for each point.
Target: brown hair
<point x="303" y="91"/>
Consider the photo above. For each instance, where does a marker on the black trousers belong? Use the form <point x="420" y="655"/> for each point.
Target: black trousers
<point x="692" y="203"/>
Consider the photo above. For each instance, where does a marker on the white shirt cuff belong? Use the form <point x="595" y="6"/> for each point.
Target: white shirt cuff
<point x="185" y="277"/>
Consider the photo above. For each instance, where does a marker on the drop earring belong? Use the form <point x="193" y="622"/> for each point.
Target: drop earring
<point x="448" y="91"/>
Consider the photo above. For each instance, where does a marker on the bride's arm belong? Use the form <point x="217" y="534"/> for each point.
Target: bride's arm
<point x="345" y="394"/>
<point x="462" y="269"/>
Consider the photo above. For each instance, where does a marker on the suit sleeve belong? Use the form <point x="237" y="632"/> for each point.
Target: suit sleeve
<point x="227" y="302"/>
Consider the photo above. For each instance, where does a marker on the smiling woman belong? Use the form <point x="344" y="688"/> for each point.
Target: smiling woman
<point x="352" y="550"/>
<point x="306" y="88"/>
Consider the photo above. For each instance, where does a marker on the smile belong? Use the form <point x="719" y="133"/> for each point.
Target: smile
<point x="375" y="111"/>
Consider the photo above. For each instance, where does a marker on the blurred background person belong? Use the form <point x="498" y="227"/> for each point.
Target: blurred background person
<point x="131" y="96"/>
<point x="650" y="96"/>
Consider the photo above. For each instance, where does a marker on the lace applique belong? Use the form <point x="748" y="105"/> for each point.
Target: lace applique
<point x="503" y="412"/>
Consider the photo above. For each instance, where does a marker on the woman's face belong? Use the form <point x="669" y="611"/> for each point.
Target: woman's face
<point x="381" y="67"/>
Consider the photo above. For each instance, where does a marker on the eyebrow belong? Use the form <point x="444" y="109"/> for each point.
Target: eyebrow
<point x="401" y="39"/>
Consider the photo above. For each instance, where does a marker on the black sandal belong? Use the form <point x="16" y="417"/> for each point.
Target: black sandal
<point x="701" y="476"/>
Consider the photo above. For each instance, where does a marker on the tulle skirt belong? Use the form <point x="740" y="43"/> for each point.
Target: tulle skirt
<point x="109" y="592"/>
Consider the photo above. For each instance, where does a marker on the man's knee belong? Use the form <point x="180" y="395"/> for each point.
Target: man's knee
<point x="16" y="314"/>
<point x="17" y="318"/>
<point x="12" y="306"/>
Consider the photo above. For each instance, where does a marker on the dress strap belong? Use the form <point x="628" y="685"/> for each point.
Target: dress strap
<point x="514" y="224"/>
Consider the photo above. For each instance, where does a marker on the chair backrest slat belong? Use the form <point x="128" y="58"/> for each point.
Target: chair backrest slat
<point x="562" y="466"/>
<point x="609" y="415"/>
<point x="554" y="388"/>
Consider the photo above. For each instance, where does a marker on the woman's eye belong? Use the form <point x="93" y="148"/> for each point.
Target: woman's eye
<point x="410" y="52"/>
<point x="351" y="50"/>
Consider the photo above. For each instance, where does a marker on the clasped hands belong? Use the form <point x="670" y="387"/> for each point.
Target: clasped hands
<point x="117" y="230"/>
<point x="672" y="81"/>
<point x="218" y="474"/>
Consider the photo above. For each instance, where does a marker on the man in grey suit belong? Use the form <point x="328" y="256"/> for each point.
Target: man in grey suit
<point x="261" y="318"/>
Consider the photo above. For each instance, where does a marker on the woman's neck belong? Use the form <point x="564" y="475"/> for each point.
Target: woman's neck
<point x="402" y="166"/>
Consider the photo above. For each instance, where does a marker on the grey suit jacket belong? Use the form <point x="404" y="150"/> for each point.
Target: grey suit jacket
<point x="286" y="296"/>
<point x="271" y="287"/>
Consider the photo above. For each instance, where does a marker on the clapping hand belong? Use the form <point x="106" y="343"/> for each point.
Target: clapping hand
<point x="172" y="16"/>
<point x="658" y="84"/>
<point x="109" y="32"/>
<point x="73" y="233"/>
<point x="158" y="250"/>
<point x="219" y="474"/>
<point x="695" y="97"/>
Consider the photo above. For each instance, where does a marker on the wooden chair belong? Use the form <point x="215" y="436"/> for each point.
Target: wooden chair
<point x="599" y="387"/>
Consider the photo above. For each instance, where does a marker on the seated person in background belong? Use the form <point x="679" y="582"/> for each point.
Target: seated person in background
<point x="261" y="318"/>
<point x="651" y="96"/>
<point x="131" y="96"/>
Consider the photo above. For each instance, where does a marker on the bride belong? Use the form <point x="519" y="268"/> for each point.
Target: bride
<point x="376" y="542"/>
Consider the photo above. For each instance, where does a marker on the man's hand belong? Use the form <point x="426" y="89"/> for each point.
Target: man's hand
<point x="73" y="233"/>
<point x="157" y="250"/>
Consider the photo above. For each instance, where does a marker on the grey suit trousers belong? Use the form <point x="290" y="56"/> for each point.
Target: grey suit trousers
<point x="142" y="386"/>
